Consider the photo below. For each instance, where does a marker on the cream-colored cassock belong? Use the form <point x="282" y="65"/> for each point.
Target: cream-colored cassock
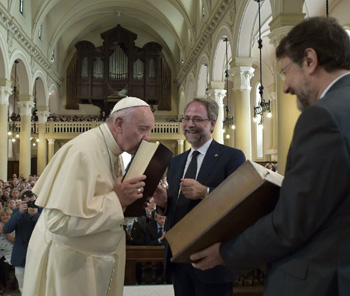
<point x="78" y="245"/>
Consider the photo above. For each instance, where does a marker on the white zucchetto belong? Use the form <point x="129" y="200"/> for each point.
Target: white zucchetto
<point x="128" y="102"/>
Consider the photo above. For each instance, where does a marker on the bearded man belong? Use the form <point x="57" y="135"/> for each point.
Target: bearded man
<point x="212" y="164"/>
<point x="305" y="240"/>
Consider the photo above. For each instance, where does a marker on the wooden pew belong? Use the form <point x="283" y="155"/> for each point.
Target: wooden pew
<point x="140" y="254"/>
<point x="136" y="254"/>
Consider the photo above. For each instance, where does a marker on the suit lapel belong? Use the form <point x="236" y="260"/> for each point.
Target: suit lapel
<point x="180" y="166"/>
<point x="210" y="160"/>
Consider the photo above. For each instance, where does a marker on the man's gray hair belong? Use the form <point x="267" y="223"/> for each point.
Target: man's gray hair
<point x="211" y="106"/>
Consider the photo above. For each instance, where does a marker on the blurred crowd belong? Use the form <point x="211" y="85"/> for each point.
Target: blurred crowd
<point x="61" y="118"/>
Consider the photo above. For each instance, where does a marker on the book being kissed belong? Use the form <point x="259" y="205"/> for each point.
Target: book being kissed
<point x="150" y="159"/>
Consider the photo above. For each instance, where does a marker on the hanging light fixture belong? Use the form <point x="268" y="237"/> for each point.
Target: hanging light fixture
<point x="207" y="78"/>
<point x="327" y="8"/>
<point x="34" y="137"/>
<point x="263" y="106"/>
<point x="229" y="122"/>
<point x="13" y="132"/>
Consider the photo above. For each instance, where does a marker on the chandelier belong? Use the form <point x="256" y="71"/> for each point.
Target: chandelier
<point x="34" y="138"/>
<point x="229" y="122"/>
<point x="13" y="131"/>
<point x="263" y="106"/>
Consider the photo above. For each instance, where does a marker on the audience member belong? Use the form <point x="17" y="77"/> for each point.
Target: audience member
<point x="15" y="193"/>
<point x="137" y="232"/>
<point x="6" y="194"/>
<point x="6" y="245"/>
<point x="11" y="204"/>
<point x="22" y="221"/>
<point x="154" y="232"/>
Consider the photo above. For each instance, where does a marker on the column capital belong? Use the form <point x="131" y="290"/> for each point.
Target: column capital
<point x="5" y="92"/>
<point x="25" y="108"/>
<point x="51" y="141"/>
<point x="241" y="77"/>
<point x="217" y="95"/>
<point x="42" y="116"/>
<point x="282" y="24"/>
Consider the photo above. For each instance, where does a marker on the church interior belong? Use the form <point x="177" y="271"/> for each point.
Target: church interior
<point x="65" y="63"/>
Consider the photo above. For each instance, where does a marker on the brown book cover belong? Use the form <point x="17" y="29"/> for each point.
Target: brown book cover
<point x="248" y="194"/>
<point x="150" y="159"/>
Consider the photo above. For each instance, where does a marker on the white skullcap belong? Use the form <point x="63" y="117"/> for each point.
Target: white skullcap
<point x="128" y="102"/>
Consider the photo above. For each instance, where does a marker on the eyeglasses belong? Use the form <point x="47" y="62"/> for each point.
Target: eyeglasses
<point x="283" y="71"/>
<point x="194" y="119"/>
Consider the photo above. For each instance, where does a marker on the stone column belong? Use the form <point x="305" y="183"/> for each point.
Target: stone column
<point x="217" y="93"/>
<point x="287" y="112"/>
<point x="5" y="92"/>
<point x="51" y="148"/>
<point x="241" y="86"/>
<point x="25" y="105"/>
<point x="272" y="151"/>
<point x="42" y="145"/>
<point x="180" y="146"/>
<point x="187" y="146"/>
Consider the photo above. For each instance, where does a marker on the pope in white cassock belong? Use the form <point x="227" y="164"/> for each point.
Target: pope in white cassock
<point x="78" y="244"/>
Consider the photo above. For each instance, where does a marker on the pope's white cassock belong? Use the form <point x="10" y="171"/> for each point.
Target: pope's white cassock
<point x="78" y="244"/>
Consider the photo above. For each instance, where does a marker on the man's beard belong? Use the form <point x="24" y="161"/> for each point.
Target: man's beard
<point x="195" y="139"/>
<point x="303" y="98"/>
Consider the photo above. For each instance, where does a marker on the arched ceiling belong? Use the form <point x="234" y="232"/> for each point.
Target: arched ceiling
<point x="66" y="22"/>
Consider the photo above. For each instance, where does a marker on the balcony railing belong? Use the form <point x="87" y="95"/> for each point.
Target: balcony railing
<point x="52" y="128"/>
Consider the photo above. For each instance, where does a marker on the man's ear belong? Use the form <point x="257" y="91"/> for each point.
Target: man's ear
<point x="212" y="124"/>
<point x="311" y="60"/>
<point x="118" y="123"/>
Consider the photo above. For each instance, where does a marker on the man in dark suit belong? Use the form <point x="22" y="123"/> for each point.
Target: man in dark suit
<point x="155" y="232"/>
<point x="211" y="163"/>
<point x="306" y="240"/>
<point x="23" y="221"/>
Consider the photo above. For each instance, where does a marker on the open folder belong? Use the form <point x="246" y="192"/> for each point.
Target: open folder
<point x="245" y="196"/>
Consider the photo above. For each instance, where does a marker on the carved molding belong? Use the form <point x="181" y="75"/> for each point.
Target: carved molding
<point x="202" y="41"/>
<point x="15" y="32"/>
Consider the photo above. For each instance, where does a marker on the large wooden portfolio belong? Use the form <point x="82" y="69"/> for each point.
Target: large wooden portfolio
<point x="248" y="194"/>
<point x="151" y="159"/>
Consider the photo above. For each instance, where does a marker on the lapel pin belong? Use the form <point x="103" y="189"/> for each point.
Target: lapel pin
<point x="216" y="155"/>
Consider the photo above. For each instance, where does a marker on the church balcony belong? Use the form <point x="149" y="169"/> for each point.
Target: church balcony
<point x="68" y="130"/>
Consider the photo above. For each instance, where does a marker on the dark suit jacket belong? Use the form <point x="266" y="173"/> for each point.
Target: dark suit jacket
<point x="219" y="162"/>
<point x="151" y="234"/>
<point x="23" y="225"/>
<point x="306" y="239"/>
